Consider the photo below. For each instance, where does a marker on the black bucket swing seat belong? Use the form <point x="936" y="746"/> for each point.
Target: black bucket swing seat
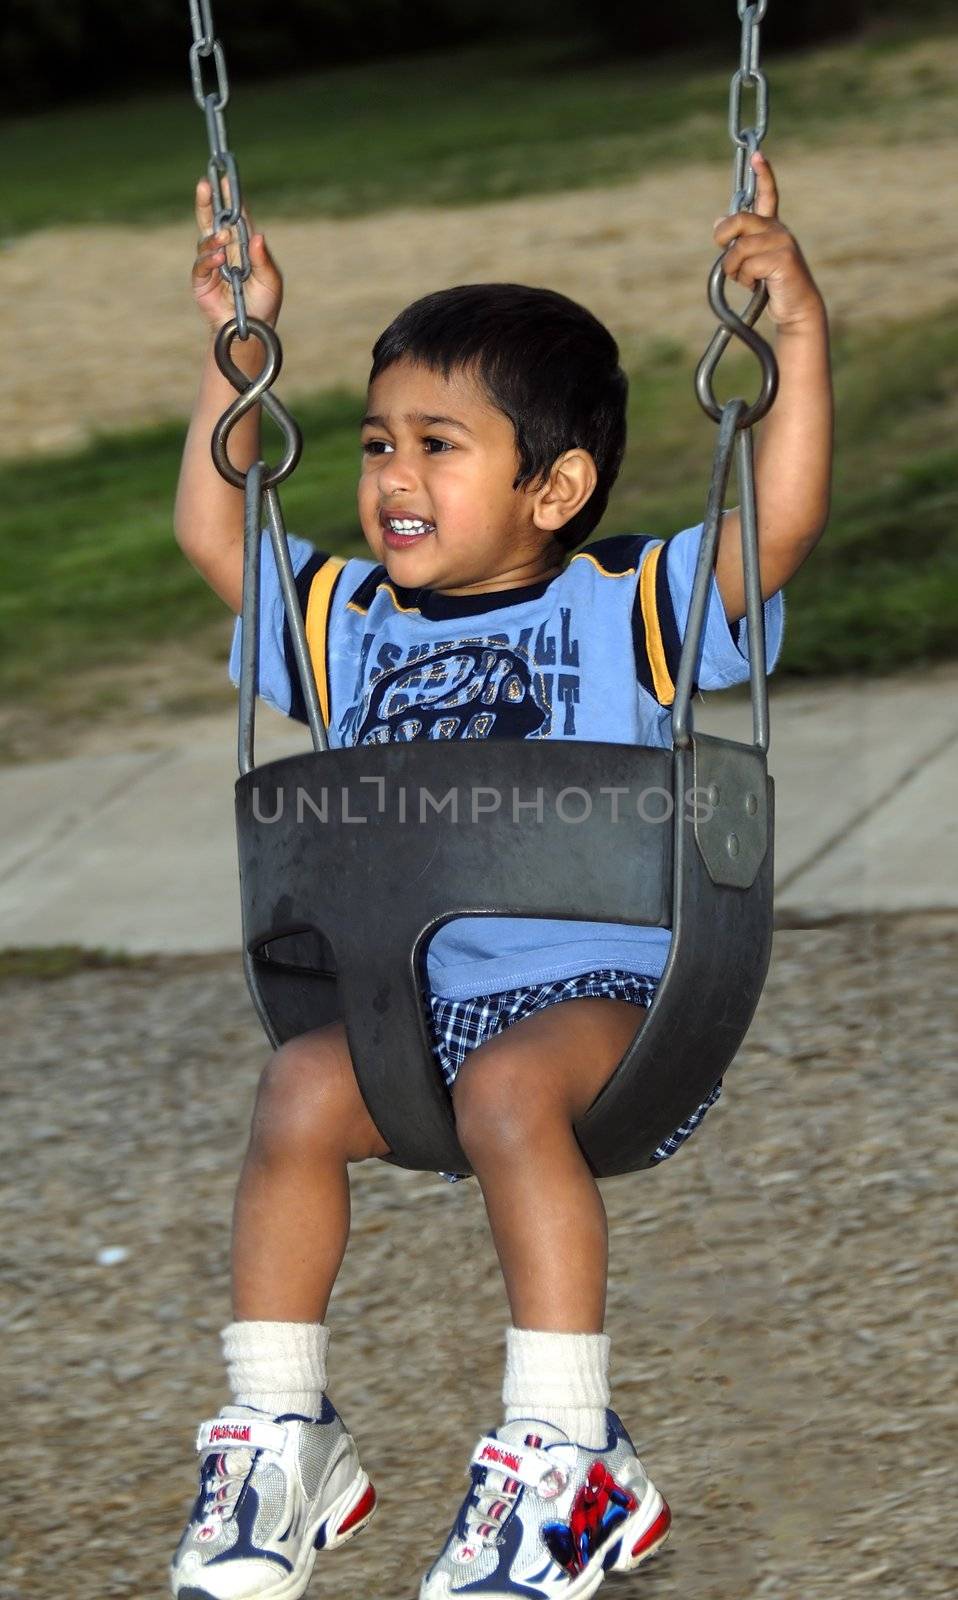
<point x="349" y="863"/>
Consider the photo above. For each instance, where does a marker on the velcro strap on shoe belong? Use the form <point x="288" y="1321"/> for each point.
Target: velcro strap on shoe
<point x="519" y="1461"/>
<point x="240" y="1433"/>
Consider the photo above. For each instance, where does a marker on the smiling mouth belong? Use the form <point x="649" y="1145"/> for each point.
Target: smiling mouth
<point x="400" y="532"/>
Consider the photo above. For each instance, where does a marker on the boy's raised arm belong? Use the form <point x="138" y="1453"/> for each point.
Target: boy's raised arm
<point x="209" y="512"/>
<point x="793" y="463"/>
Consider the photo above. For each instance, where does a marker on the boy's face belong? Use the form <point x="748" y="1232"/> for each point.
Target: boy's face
<point x="436" y="450"/>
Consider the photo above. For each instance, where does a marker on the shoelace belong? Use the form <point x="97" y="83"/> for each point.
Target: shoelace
<point x="223" y="1478"/>
<point x="500" y="1469"/>
<point x="484" y="1521"/>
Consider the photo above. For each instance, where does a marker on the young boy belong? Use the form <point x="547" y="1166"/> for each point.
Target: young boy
<point x="494" y="431"/>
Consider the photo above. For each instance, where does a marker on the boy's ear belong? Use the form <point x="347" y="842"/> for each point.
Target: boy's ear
<point x="571" y="481"/>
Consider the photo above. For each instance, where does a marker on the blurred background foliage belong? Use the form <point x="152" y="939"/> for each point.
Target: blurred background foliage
<point x="55" y="51"/>
<point x="509" y="99"/>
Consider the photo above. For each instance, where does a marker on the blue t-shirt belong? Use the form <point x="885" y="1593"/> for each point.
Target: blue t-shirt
<point x="589" y="654"/>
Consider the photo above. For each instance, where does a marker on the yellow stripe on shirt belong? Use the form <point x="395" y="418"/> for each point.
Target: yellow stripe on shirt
<point x="661" y="677"/>
<point x="362" y="611"/>
<point x="586" y="555"/>
<point x="317" y="626"/>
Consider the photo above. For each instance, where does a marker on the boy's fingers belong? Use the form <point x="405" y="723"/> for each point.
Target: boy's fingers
<point x="766" y="189"/>
<point x="766" y="206"/>
<point x="213" y="241"/>
<point x="266" y="270"/>
<point x="734" y="227"/>
<point x="204" y="206"/>
<point x="206" y="265"/>
<point x="244" y="213"/>
<point x="228" y="199"/>
<point x="212" y="245"/>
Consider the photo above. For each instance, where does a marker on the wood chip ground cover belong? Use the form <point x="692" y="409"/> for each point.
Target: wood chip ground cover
<point x="780" y="1307"/>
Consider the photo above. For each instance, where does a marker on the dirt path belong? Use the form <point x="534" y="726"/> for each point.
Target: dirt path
<point x="781" y="1306"/>
<point x="880" y="241"/>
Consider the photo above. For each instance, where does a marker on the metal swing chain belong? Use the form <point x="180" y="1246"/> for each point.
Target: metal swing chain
<point x="227" y="212"/>
<point x="260" y="482"/>
<point x="735" y="417"/>
<point x="748" y="140"/>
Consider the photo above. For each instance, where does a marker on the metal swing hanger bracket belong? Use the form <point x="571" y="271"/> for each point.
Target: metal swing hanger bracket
<point x="736" y="417"/>
<point x="260" y="483"/>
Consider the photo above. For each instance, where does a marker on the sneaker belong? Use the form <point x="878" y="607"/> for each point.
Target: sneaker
<point x="546" y="1517"/>
<point x="273" y="1492"/>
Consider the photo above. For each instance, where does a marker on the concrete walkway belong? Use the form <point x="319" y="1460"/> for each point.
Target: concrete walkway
<point x="135" y="851"/>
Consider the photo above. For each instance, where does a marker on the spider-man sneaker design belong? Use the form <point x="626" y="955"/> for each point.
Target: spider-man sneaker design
<point x="546" y="1519"/>
<point x="273" y="1492"/>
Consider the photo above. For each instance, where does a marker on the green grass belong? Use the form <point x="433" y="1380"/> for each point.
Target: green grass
<point x="89" y="571"/>
<point x="56" y="961"/>
<point x="90" y="576"/>
<point x="475" y="125"/>
<point x="881" y="590"/>
<point x="50" y="963"/>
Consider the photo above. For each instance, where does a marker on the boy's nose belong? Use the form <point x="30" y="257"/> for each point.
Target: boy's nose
<point x="396" y="472"/>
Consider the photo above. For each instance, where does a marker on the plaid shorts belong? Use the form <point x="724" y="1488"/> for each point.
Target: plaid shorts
<point x="459" y="1026"/>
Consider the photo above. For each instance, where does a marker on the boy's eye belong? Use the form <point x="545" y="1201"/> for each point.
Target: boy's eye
<point x="381" y="447"/>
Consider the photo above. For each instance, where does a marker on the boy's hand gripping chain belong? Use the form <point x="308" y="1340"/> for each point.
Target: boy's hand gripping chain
<point x="260" y="482"/>
<point x="736" y="417"/>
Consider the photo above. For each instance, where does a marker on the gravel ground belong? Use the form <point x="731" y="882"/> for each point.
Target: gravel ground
<point x="781" y="1300"/>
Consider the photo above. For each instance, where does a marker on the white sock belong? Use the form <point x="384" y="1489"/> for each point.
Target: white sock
<point x="277" y="1366"/>
<point x="562" y="1378"/>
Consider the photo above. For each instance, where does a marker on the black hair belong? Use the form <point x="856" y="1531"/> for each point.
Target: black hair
<point x="544" y="361"/>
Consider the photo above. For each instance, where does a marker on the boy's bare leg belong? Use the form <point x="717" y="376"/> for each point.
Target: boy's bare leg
<point x="516" y="1099"/>
<point x="291" y="1217"/>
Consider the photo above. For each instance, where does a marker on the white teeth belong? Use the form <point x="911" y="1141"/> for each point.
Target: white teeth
<point x="407" y="524"/>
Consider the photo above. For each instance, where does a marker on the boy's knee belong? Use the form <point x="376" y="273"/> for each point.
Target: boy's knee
<point x="309" y="1103"/>
<point x="500" y="1111"/>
